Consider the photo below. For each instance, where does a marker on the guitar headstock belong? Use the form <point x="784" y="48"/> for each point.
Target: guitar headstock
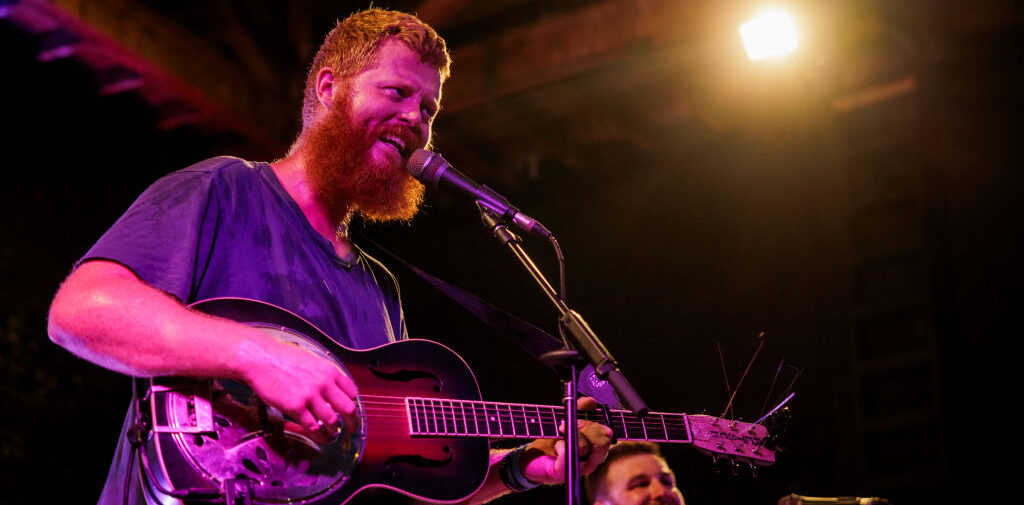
<point x="736" y="440"/>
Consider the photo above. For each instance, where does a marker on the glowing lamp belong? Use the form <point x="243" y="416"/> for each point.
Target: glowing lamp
<point x="768" y="35"/>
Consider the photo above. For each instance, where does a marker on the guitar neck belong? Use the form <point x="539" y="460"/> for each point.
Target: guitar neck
<point x="465" y="418"/>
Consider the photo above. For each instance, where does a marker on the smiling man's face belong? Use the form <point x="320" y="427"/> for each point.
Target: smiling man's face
<point x="377" y="119"/>
<point x="639" y="479"/>
<point x="399" y="94"/>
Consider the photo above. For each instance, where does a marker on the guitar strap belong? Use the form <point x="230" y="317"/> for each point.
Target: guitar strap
<point x="530" y="338"/>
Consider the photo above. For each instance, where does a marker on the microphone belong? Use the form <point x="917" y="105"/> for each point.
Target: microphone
<point x="431" y="169"/>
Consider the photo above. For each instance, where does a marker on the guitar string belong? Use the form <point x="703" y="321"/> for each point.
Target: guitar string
<point x="392" y="422"/>
<point x="401" y="403"/>
<point x="394" y="411"/>
<point x="516" y="415"/>
<point x="510" y="434"/>
<point x="518" y="419"/>
<point x="450" y="413"/>
<point x="446" y="425"/>
<point x="521" y="432"/>
<point x="399" y="412"/>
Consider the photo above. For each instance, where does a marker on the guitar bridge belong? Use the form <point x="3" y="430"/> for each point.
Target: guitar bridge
<point x="193" y="399"/>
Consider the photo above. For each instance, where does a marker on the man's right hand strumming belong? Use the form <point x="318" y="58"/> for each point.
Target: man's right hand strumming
<point x="310" y="389"/>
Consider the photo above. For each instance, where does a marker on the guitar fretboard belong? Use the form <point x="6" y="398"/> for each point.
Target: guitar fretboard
<point x="455" y="418"/>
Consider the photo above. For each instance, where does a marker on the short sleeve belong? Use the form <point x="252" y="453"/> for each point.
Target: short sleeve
<point x="164" y="236"/>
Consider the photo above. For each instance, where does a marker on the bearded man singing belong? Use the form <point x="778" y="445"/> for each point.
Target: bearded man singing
<point x="276" y="232"/>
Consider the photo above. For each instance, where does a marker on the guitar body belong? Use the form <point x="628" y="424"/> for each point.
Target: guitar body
<point x="213" y="434"/>
<point x="423" y="428"/>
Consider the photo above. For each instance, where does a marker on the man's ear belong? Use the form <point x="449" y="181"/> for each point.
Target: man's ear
<point x="325" y="86"/>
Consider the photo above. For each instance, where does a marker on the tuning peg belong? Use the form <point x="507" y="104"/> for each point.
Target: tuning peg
<point x="736" y="468"/>
<point x="714" y="464"/>
<point x="753" y="470"/>
<point x="778" y="439"/>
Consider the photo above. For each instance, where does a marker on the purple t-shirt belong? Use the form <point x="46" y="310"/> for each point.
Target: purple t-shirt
<point x="226" y="227"/>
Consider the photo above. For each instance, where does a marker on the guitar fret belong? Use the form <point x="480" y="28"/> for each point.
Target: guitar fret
<point x="548" y="422"/>
<point x="442" y="425"/>
<point x="455" y="421"/>
<point x="438" y="416"/>
<point x="453" y="417"/>
<point x="460" y="418"/>
<point x="634" y="427"/>
<point x="608" y="418"/>
<point x="471" y="424"/>
<point x="420" y="415"/>
<point x="480" y="413"/>
<point x="622" y="433"/>
<point x="465" y="419"/>
<point x="413" y="427"/>
<point x="433" y="414"/>
<point x="676" y="427"/>
<point x="449" y="416"/>
<point x="492" y="420"/>
<point x="430" y="424"/>
<point x="505" y="418"/>
<point x="555" y="419"/>
<point x="654" y="426"/>
<point x="533" y="428"/>
<point x="416" y="415"/>
<point x="517" y="414"/>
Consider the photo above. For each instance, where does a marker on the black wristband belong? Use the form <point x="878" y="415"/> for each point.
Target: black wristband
<point x="510" y="473"/>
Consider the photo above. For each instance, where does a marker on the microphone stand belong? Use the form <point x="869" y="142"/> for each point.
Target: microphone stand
<point x="581" y="346"/>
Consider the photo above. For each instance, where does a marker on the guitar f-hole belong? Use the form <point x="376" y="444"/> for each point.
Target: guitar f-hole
<point x="406" y="375"/>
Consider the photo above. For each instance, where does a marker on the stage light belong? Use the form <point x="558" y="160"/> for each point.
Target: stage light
<point x="769" y="34"/>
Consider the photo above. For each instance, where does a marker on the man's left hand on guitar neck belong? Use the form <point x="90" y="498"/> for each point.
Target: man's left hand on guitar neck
<point x="543" y="460"/>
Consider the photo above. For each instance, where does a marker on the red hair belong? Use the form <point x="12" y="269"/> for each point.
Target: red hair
<point x="351" y="47"/>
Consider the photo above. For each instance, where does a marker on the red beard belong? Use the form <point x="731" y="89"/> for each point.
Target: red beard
<point x="345" y="177"/>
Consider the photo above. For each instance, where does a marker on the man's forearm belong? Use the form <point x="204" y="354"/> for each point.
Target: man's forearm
<point x="492" y="487"/>
<point x="105" y="314"/>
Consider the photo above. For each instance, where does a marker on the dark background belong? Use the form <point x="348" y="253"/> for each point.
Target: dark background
<point x="859" y="204"/>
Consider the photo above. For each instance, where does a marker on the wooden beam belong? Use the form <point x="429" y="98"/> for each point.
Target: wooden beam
<point x="171" y="65"/>
<point x="564" y="46"/>
<point x="439" y="13"/>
